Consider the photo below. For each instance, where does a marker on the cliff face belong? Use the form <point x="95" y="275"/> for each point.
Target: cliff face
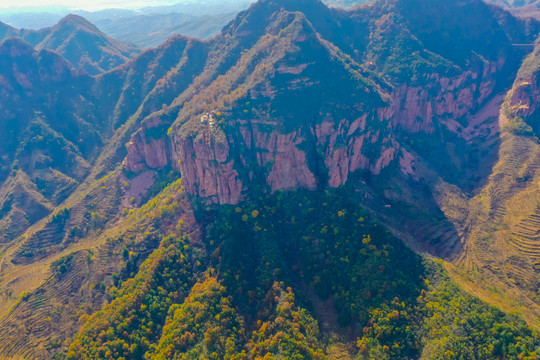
<point x="220" y="167"/>
<point x="416" y="108"/>
<point x="147" y="151"/>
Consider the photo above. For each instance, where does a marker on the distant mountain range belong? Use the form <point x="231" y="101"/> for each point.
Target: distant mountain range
<point x="159" y="27"/>
<point x="79" y="42"/>
<point x="199" y="20"/>
<point x="38" y="20"/>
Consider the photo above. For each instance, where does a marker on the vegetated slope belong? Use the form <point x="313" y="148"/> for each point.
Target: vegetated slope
<point x="502" y="236"/>
<point x="48" y="134"/>
<point x="263" y="300"/>
<point x="80" y="42"/>
<point x="274" y="107"/>
<point x="7" y="31"/>
<point x="85" y="46"/>
<point x="291" y="94"/>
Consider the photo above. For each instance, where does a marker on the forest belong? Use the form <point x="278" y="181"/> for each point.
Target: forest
<point x="232" y="297"/>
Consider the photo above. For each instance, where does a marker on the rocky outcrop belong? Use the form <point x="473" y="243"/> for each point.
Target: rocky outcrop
<point x="220" y="168"/>
<point x="416" y="108"/>
<point x="207" y="169"/>
<point x="347" y="149"/>
<point x="525" y="96"/>
<point x="146" y="150"/>
<point x="281" y="154"/>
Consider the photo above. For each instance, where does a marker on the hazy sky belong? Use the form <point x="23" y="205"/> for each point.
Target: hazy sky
<point x="15" y="5"/>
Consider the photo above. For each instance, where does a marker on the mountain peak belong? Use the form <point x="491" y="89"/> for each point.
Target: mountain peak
<point x="85" y="46"/>
<point x="304" y="6"/>
<point x="76" y="21"/>
<point x="262" y="13"/>
<point x="291" y="3"/>
<point x="15" y="46"/>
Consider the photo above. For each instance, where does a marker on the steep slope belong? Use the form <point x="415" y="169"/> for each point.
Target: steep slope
<point x="313" y="142"/>
<point x="300" y="133"/>
<point x="502" y="236"/>
<point x="45" y="147"/>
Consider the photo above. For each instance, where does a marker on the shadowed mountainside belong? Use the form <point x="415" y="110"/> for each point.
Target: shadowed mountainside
<point x="48" y="133"/>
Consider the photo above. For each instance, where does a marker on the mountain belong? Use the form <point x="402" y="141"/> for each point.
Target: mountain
<point x="200" y="8"/>
<point x="128" y="29"/>
<point x="310" y="183"/>
<point x="45" y="146"/>
<point x="199" y="20"/>
<point x="80" y="42"/>
<point x="85" y="46"/>
<point x="160" y="27"/>
<point x="32" y="20"/>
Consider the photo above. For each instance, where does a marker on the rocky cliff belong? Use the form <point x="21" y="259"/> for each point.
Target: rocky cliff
<point x="219" y="164"/>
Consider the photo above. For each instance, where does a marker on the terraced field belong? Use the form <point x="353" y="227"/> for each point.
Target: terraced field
<point x="502" y="252"/>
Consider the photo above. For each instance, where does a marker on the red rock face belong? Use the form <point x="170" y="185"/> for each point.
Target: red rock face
<point x="207" y="170"/>
<point x="144" y="152"/>
<point x="413" y="109"/>
<point x="288" y="164"/>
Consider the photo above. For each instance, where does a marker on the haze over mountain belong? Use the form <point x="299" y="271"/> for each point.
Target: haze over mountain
<point x="37" y="20"/>
<point x="195" y="19"/>
<point x="159" y="27"/>
<point x="310" y="183"/>
<point x="78" y="41"/>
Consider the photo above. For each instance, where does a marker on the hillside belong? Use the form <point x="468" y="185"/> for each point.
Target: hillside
<point x="45" y="148"/>
<point x="311" y="183"/>
<point x="502" y="218"/>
